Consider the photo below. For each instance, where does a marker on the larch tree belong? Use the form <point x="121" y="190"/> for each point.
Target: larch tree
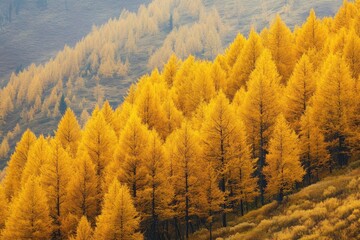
<point x="99" y="141"/>
<point x="130" y="155"/>
<point x="173" y="116"/>
<point x="38" y="155"/>
<point x="186" y="158"/>
<point x="299" y="90"/>
<point x="223" y="141"/>
<point x="69" y="132"/>
<point x="170" y="69"/>
<point x="211" y="197"/>
<point x="29" y="215"/>
<point x="4" y="208"/>
<point x="352" y="53"/>
<point x="54" y="178"/>
<point x="156" y="197"/>
<point x="84" y="230"/>
<point x="245" y="63"/>
<point x="82" y="194"/>
<point x="260" y="109"/>
<point x="12" y="181"/>
<point x="232" y="53"/>
<point x="311" y="37"/>
<point x="280" y="42"/>
<point x="108" y="114"/>
<point x="218" y="76"/>
<point x="283" y="167"/>
<point x="334" y="104"/>
<point x="119" y="219"/>
<point x="314" y="154"/>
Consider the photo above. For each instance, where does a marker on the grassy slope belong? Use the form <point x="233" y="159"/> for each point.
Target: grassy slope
<point x="329" y="209"/>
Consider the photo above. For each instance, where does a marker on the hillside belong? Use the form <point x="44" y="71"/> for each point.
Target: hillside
<point x="196" y="143"/>
<point x="328" y="209"/>
<point x="105" y="62"/>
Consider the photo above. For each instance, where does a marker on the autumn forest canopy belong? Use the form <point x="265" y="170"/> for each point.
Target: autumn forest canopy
<point x="197" y="141"/>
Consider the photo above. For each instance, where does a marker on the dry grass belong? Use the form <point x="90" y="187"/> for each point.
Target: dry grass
<point x="329" y="209"/>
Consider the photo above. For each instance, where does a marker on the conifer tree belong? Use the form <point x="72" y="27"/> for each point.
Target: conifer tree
<point x="108" y="114"/>
<point x="260" y="108"/>
<point x="218" y="76"/>
<point x="352" y="53"/>
<point x="245" y="63"/>
<point x="130" y="154"/>
<point x="38" y="155"/>
<point x="300" y="88"/>
<point x="311" y="38"/>
<point x="281" y="44"/>
<point x="283" y="167"/>
<point x="157" y="195"/>
<point x="119" y="219"/>
<point x="170" y="69"/>
<point x="173" y="116"/>
<point x="98" y="142"/>
<point x="232" y="53"/>
<point x="29" y="216"/>
<point x="186" y="153"/>
<point x="69" y="132"/>
<point x="54" y="178"/>
<point x="314" y="154"/>
<point x="82" y="194"/>
<point x="12" y="181"/>
<point x="334" y="104"/>
<point x="211" y="197"/>
<point x="4" y="208"/>
<point x="84" y="230"/>
<point x="223" y="141"/>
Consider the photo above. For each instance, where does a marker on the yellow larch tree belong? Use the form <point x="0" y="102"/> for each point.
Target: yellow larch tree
<point x="54" y="179"/>
<point x="352" y="53"/>
<point x="29" y="215"/>
<point x="223" y="141"/>
<point x="219" y="76"/>
<point x="82" y="194"/>
<point x="299" y="90"/>
<point x="119" y="219"/>
<point x="156" y="197"/>
<point x="310" y="38"/>
<point x="334" y="104"/>
<point x="130" y="154"/>
<point x="211" y="198"/>
<point x="69" y="132"/>
<point x="345" y="15"/>
<point x="314" y="154"/>
<point x="232" y="53"/>
<point x="108" y="114"/>
<point x="12" y="181"/>
<point x="4" y="208"/>
<point x="98" y="142"/>
<point x="173" y="116"/>
<point x="38" y="155"/>
<point x="84" y="230"/>
<point x="283" y="167"/>
<point x="245" y="63"/>
<point x="260" y="109"/>
<point x="186" y="160"/>
<point x="170" y="69"/>
<point x="280" y="42"/>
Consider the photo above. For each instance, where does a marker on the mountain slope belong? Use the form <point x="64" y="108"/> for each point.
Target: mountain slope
<point x="105" y="62"/>
<point x="328" y="209"/>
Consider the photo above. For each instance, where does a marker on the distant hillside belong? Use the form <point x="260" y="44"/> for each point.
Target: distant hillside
<point x="326" y="210"/>
<point x="105" y="62"/>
